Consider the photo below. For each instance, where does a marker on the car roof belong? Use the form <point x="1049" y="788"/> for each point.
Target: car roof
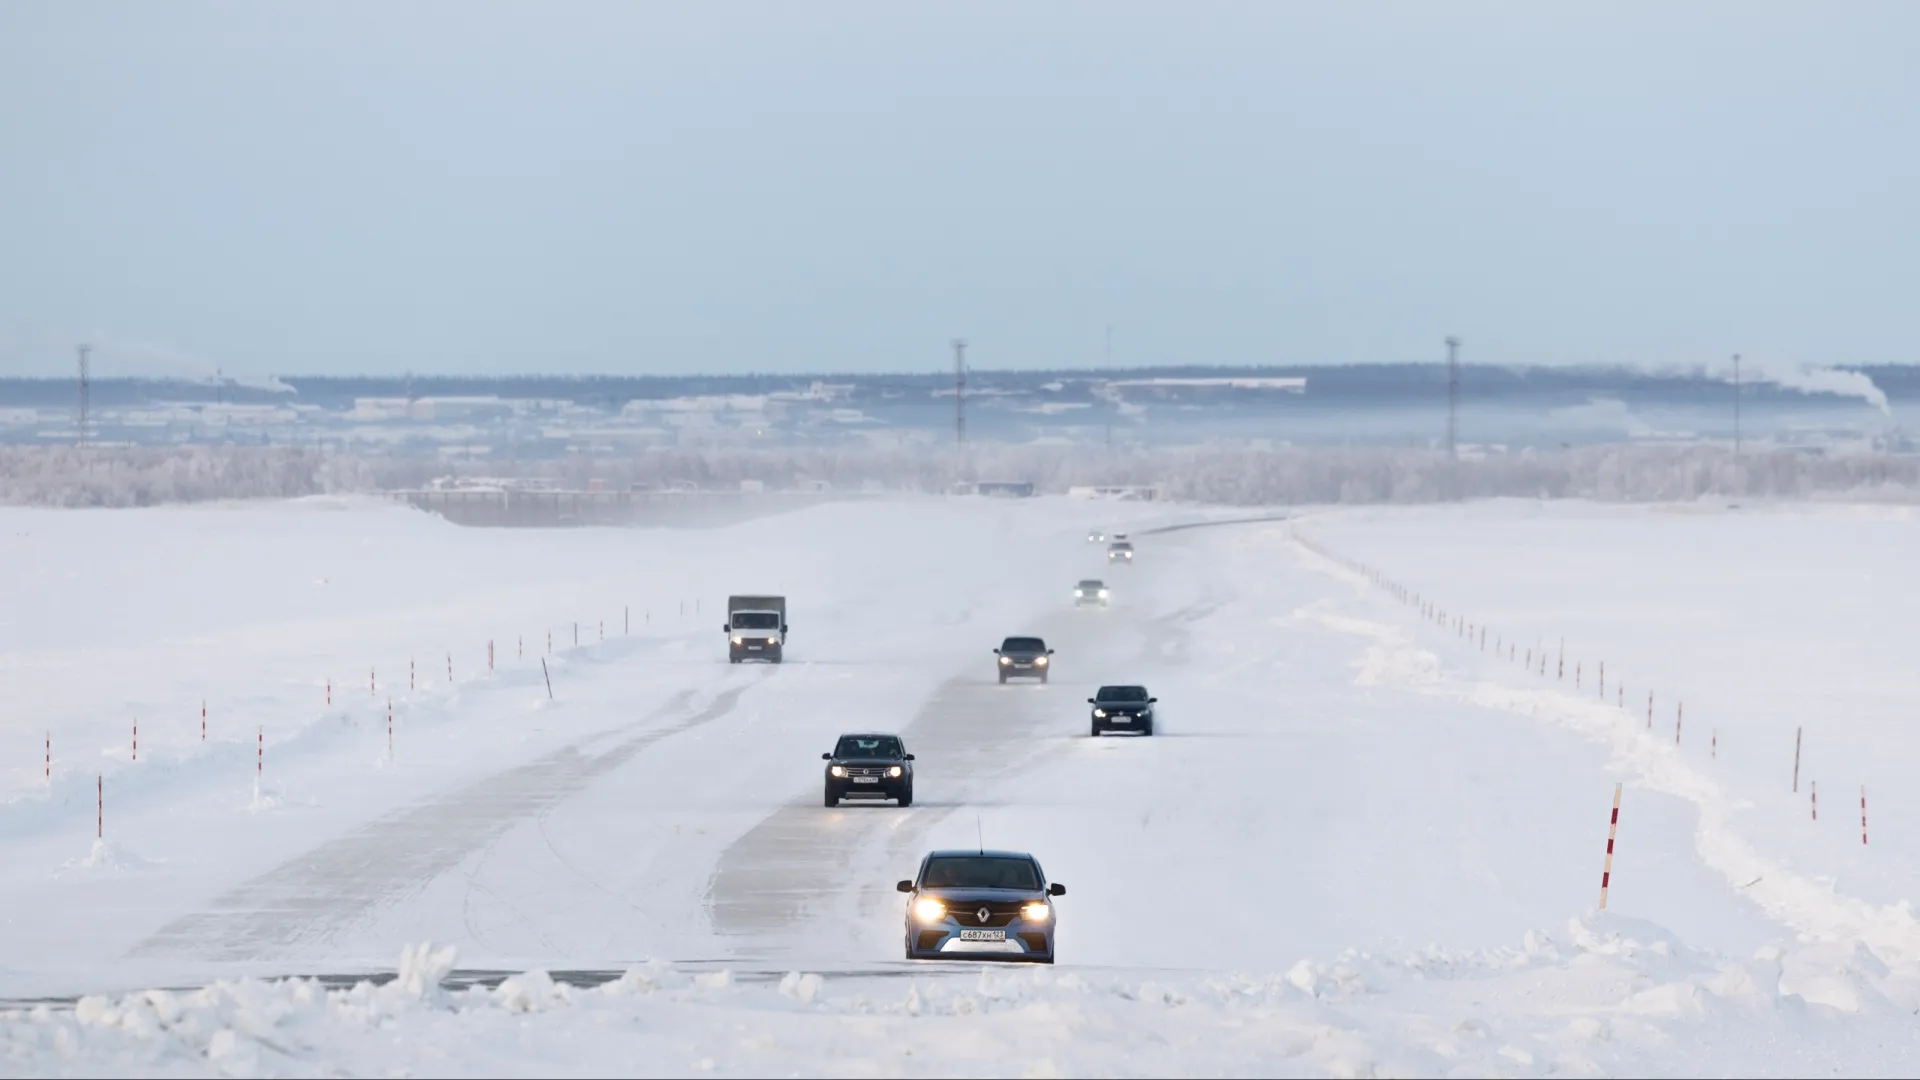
<point x="1090" y="581"/>
<point x="1023" y="637"/>
<point x="870" y="735"/>
<point x="990" y="853"/>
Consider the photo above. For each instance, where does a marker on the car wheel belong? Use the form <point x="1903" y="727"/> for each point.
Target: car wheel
<point x="1095" y="733"/>
<point x="831" y="798"/>
<point x="906" y="797"/>
<point x="1043" y="679"/>
<point x="1003" y="678"/>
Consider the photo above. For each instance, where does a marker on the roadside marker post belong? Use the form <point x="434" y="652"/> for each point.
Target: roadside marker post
<point x="1613" y="828"/>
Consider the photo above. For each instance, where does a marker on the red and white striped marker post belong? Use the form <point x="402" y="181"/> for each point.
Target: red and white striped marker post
<point x="329" y="692"/>
<point x="1619" y="696"/>
<point x="1613" y="827"/>
<point x="603" y="629"/>
<point x="519" y="646"/>
<point x="49" y="758"/>
<point x="576" y="634"/>
<point x="449" y="667"/>
<point x="549" y="643"/>
<point x="1813" y="797"/>
<point x="260" y="758"/>
<point x="136" y="738"/>
<point x="1603" y="678"/>
<point x="1649" y="710"/>
<point x="1715" y="752"/>
<point x="371" y="690"/>
<point x="99" y="807"/>
<point x="389" y="729"/>
<point x="489" y="656"/>
<point x="1679" y="716"/>
<point x="203" y="719"/>
<point x="1863" y="815"/>
<point x="1576" y="675"/>
<point x="1560" y="670"/>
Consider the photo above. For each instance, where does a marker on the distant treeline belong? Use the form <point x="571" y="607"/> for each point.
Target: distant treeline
<point x="1381" y="384"/>
<point x="126" y="477"/>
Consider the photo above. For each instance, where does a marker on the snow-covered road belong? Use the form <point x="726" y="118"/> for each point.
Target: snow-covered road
<point x="1368" y="846"/>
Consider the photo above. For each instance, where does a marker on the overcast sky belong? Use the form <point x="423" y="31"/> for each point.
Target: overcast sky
<point x="327" y="187"/>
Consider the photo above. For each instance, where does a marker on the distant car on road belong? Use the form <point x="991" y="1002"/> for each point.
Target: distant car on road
<point x="869" y="766"/>
<point x="992" y="904"/>
<point x="1025" y="657"/>
<point x="1096" y="536"/>
<point x="1120" y="551"/>
<point x="1122" y="708"/>
<point x="1091" y="591"/>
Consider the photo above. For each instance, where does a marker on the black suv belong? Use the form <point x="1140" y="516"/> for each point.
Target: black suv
<point x="1025" y="656"/>
<point x="873" y="766"/>
<point x="1122" y="708"/>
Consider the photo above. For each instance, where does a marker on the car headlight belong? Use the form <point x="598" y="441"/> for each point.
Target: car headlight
<point x="838" y="770"/>
<point x="1036" y="912"/>
<point x="1099" y="712"/>
<point x="773" y="641"/>
<point x="895" y="771"/>
<point x="1103" y="594"/>
<point x="739" y="640"/>
<point x="1040" y="660"/>
<point x="1006" y="660"/>
<point x="927" y="909"/>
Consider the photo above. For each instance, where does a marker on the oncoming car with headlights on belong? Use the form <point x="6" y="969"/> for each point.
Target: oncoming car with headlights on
<point x="1025" y="657"/>
<point x="1091" y="591"/>
<point x="994" y="904"/>
<point x="869" y="766"/>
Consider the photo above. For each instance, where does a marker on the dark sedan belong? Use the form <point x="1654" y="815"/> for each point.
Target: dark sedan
<point x="1122" y="708"/>
<point x="1023" y="657"/>
<point x="869" y="766"/>
<point x="991" y="904"/>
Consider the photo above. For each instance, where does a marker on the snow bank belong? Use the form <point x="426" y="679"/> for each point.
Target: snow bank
<point x="1604" y="995"/>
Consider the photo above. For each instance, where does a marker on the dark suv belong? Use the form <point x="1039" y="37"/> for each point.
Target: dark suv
<point x="1122" y="708"/>
<point x="873" y="766"/>
<point x="993" y="904"/>
<point x="1024" y="656"/>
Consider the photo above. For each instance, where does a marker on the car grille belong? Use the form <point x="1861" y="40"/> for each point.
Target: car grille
<point x="999" y="912"/>
<point x="867" y="770"/>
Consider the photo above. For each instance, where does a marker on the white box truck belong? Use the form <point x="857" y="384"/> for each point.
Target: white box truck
<point x="756" y="628"/>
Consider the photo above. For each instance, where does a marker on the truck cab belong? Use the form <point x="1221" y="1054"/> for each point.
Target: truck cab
<point x="756" y="628"/>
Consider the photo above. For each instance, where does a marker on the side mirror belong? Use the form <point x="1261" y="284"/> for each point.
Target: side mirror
<point x="726" y="628"/>
<point x="826" y="757"/>
<point x="996" y="652"/>
<point x="905" y="886"/>
<point x="1091" y="701"/>
<point x="1049" y="652"/>
<point x="783" y="628"/>
<point x="1056" y="889"/>
<point x="909" y="757"/>
<point x="1151" y="700"/>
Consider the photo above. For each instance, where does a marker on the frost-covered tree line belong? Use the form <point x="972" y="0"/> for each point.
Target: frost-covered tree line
<point x="120" y="477"/>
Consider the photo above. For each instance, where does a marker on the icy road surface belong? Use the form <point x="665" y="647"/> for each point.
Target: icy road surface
<point x="1352" y="844"/>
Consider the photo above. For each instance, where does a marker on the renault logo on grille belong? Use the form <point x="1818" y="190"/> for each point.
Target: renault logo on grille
<point x="984" y="914"/>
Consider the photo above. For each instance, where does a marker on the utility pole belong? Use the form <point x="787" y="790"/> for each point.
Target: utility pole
<point x="959" y="392"/>
<point x="85" y="388"/>
<point x="1736" y="403"/>
<point x="1453" y="392"/>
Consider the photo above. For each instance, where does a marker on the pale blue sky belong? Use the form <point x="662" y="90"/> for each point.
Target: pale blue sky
<point x="321" y="187"/>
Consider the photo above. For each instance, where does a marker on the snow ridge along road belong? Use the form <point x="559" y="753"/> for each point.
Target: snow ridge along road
<point x="311" y="898"/>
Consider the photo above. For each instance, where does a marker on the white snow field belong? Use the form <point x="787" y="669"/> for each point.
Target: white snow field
<point x="1355" y="845"/>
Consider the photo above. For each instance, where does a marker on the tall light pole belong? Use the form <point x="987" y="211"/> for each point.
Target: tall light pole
<point x="86" y="378"/>
<point x="1453" y="392"/>
<point x="1736" y="403"/>
<point x="959" y="392"/>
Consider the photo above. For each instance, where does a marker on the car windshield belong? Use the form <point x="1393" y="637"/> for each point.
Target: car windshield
<point x="1123" y="547"/>
<point x="1090" y="585"/>
<point x="1023" y="644"/>
<point x="868" y="746"/>
<point x="1122" y="693"/>
<point x="756" y="620"/>
<point x="981" y="872"/>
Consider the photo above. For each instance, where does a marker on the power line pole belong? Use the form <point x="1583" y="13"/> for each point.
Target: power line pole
<point x="959" y="392"/>
<point x="1453" y="392"/>
<point x="1736" y="403"/>
<point x="85" y="388"/>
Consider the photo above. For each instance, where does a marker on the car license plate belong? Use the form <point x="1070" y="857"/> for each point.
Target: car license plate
<point x="983" y="935"/>
<point x="1123" y="719"/>
<point x="866" y="779"/>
